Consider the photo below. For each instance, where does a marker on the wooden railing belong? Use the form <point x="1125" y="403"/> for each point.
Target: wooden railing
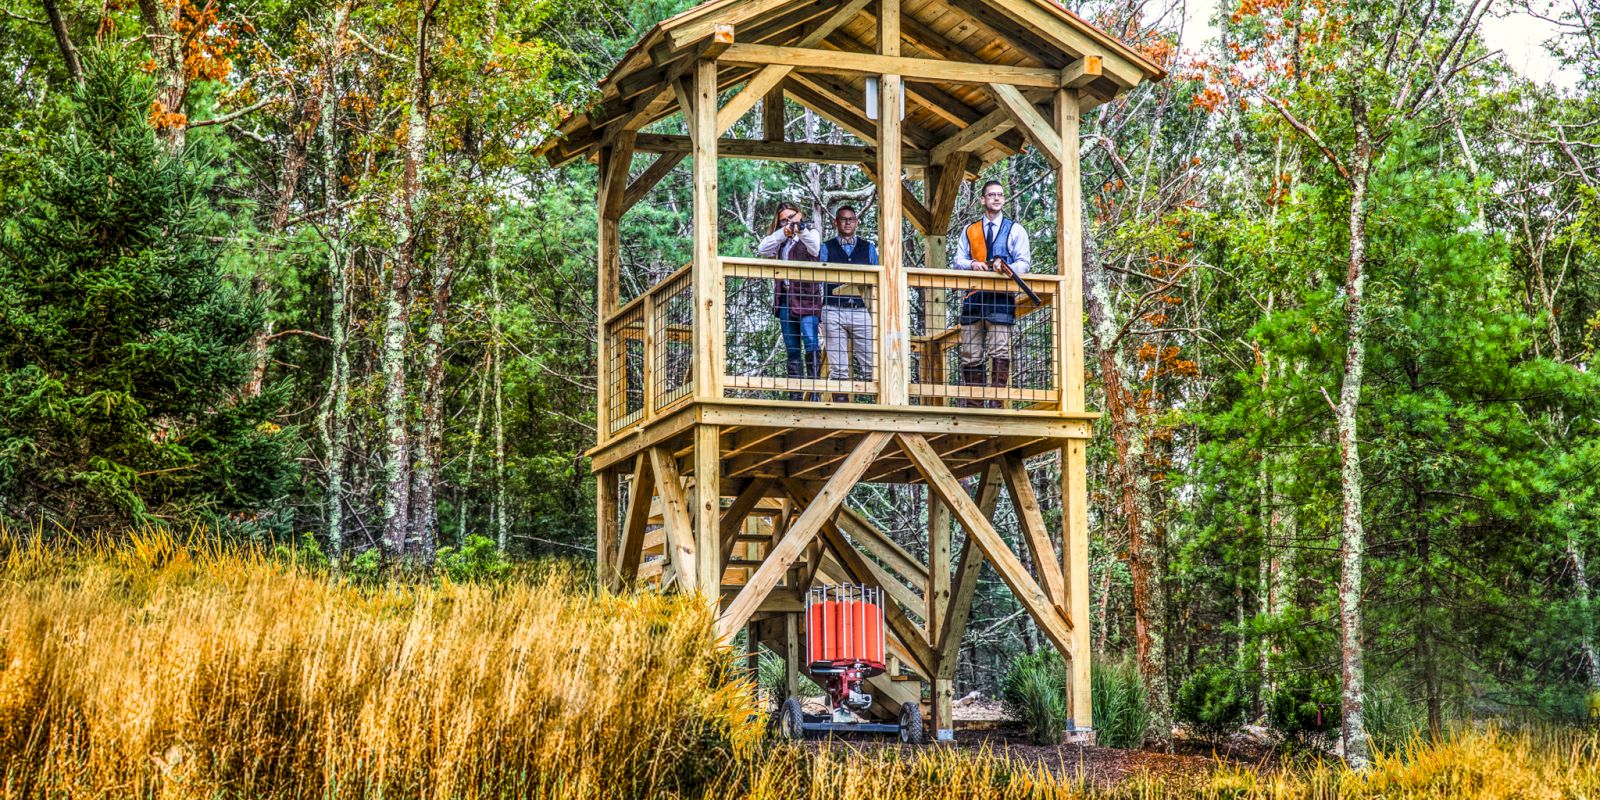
<point x="651" y="341"/>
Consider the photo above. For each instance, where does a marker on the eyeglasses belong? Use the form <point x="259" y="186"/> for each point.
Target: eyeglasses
<point x="994" y="194"/>
<point x="845" y="219"/>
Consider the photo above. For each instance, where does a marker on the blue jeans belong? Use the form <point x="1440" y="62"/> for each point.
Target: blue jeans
<point x="798" y="333"/>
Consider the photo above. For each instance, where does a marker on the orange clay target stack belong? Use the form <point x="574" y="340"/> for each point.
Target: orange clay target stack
<point x="845" y="646"/>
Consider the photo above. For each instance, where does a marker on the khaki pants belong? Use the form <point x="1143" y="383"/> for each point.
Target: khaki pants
<point x="847" y="338"/>
<point x="982" y="341"/>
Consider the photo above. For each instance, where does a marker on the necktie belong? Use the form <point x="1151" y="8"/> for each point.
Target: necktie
<point x="988" y="238"/>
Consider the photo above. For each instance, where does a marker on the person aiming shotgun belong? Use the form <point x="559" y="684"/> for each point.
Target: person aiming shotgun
<point x="993" y="243"/>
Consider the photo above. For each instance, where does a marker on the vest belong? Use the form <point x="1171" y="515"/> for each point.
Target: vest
<point x="989" y="306"/>
<point x="833" y="253"/>
<point x="802" y="298"/>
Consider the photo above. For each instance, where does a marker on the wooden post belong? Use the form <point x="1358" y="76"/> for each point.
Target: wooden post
<point x="707" y="503"/>
<point x="1074" y="469"/>
<point x="934" y="243"/>
<point x="606" y="530"/>
<point x="708" y="290"/>
<point x="938" y="599"/>
<point x="772" y="119"/>
<point x="792" y="653"/>
<point x="894" y="372"/>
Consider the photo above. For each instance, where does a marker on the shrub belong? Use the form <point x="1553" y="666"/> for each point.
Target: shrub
<point x="1121" y="707"/>
<point x="479" y="559"/>
<point x="1214" y="701"/>
<point x="1390" y="719"/>
<point x="1035" y="692"/>
<point x="1304" y="705"/>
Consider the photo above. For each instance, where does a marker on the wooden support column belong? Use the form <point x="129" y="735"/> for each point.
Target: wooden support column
<point x="935" y="241"/>
<point x="677" y="526"/>
<point x="706" y="272"/>
<point x="962" y="589"/>
<point x="1074" y="468"/>
<point x="606" y="530"/>
<point x="772" y="116"/>
<point x="937" y="598"/>
<point x="636" y="520"/>
<point x="708" y="513"/>
<point x="894" y="373"/>
<point x="792" y="653"/>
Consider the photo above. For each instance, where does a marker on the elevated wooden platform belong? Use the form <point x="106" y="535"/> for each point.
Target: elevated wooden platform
<point x="721" y="470"/>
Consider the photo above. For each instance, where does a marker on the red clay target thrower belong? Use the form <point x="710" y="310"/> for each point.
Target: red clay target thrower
<point x="844" y="647"/>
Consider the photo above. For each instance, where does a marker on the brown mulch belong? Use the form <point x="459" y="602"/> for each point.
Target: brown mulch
<point x="1100" y="766"/>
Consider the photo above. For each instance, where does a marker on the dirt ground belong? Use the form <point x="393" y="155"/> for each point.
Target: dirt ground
<point x="983" y="728"/>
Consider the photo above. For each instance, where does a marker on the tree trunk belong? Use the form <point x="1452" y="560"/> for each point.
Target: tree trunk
<point x="1352" y="535"/>
<point x="1582" y="594"/>
<point x="69" y="53"/>
<point x="430" y="431"/>
<point x="337" y="405"/>
<point x="1128" y="441"/>
<point x="397" y="494"/>
<point x="172" y="82"/>
<point x="497" y="352"/>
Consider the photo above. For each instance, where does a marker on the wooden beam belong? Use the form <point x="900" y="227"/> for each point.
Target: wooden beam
<point x="1054" y="625"/>
<point x="834" y="62"/>
<point x="607" y="533"/>
<point x="973" y="136"/>
<point x="755" y="149"/>
<point x="1069" y="253"/>
<point x="772" y="116"/>
<point x="725" y="20"/>
<point x="1030" y="16"/>
<point x="867" y="571"/>
<point x="1082" y="72"/>
<point x="936" y="596"/>
<point x="764" y="81"/>
<point x="708" y="286"/>
<point x="1075" y="563"/>
<point x="650" y="177"/>
<point x="1030" y="518"/>
<point x="636" y="519"/>
<point x="800" y="533"/>
<point x="1029" y="120"/>
<point x="675" y="518"/>
<point x="832" y="108"/>
<point x="952" y="174"/>
<point x="707" y="510"/>
<point x="894" y="358"/>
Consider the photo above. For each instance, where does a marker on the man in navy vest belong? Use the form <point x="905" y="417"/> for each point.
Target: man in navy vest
<point x="992" y="244"/>
<point x="846" y="321"/>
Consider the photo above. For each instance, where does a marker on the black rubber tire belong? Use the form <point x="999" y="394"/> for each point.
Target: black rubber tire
<point x="911" y="723"/>
<point x="789" y="719"/>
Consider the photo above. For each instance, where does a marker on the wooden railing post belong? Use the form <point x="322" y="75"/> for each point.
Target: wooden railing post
<point x="708" y="289"/>
<point x="894" y="371"/>
<point x="652" y="359"/>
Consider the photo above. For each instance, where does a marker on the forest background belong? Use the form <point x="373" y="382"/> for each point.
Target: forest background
<point x="290" y="268"/>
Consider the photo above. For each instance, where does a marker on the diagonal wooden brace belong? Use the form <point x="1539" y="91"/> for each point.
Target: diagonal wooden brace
<point x="801" y="532"/>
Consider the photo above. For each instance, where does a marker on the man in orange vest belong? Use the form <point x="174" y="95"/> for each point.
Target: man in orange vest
<point x="994" y="243"/>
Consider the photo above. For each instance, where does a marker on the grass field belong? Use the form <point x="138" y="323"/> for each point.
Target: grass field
<point x="168" y="669"/>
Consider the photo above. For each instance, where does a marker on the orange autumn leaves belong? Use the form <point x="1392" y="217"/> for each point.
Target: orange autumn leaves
<point x="1281" y="42"/>
<point x="206" y="43"/>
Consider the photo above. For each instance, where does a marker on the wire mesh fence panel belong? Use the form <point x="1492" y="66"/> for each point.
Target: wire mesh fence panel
<point x="673" y="332"/>
<point x="977" y="341"/>
<point x="625" y="372"/>
<point x="800" y="331"/>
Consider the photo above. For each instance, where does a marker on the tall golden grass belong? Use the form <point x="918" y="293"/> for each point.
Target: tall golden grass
<point x="162" y="666"/>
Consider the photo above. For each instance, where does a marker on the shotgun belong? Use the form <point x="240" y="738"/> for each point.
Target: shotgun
<point x="1023" y="285"/>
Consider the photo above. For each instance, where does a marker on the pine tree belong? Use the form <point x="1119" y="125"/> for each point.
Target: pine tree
<point x="122" y="346"/>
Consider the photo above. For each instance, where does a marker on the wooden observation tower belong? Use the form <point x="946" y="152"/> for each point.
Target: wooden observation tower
<point x="717" y="472"/>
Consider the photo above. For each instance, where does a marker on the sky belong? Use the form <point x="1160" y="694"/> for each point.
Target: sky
<point x="1519" y="36"/>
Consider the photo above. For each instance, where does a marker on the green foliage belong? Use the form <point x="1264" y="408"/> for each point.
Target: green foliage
<point x="1391" y="718"/>
<point x="1304" y="704"/>
<point x="770" y="678"/>
<point x="122" y="348"/>
<point x="1214" y="701"/>
<point x="1035" y="693"/>
<point x="306" y="552"/>
<point x="479" y="559"/>
<point x="1121" y="710"/>
<point x="366" y="569"/>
